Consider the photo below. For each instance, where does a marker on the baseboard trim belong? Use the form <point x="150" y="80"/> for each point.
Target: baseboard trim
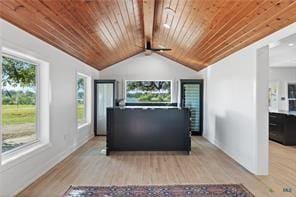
<point x="52" y="163"/>
<point x="228" y="152"/>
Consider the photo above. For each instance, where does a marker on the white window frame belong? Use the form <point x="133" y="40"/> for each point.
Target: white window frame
<point x="23" y="58"/>
<point x="8" y="160"/>
<point x="86" y="101"/>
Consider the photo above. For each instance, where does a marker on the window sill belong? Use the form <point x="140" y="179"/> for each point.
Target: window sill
<point x="14" y="158"/>
<point x="83" y="125"/>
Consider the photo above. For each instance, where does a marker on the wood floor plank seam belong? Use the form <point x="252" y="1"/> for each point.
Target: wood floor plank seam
<point x="207" y="164"/>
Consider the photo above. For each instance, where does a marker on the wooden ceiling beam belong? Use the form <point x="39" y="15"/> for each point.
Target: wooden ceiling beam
<point x="148" y="10"/>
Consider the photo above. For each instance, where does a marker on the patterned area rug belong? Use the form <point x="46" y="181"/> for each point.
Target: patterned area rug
<point x="231" y="190"/>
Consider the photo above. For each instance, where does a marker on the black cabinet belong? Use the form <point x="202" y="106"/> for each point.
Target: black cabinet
<point x="151" y="129"/>
<point x="282" y="128"/>
<point x="292" y="97"/>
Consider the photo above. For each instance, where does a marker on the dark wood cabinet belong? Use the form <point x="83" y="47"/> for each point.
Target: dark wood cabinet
<point x="292" y="97"/>
<point x="282" y="128"/>
<point x="148" y="129"/>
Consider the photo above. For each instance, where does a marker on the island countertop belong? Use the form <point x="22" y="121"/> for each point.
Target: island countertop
<point x="292" y="113"/>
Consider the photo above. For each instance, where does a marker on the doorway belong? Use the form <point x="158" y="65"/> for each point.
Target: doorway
<point x="192" y="98"/>
<point x="104" y="97"/>
<point x="282" y="91"/>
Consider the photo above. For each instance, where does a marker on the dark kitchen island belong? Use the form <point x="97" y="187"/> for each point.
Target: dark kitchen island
<point x="282" y="127"/>
<point x="148" y="129"/>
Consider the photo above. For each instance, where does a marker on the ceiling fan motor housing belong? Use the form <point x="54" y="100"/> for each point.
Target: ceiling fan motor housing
<point x="148" y="45"/>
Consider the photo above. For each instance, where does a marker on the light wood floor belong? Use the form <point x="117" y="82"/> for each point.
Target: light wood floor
<point x="206" y="164"/>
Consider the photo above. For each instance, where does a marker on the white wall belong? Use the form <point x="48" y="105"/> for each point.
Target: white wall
<point x="236" y="91"/>
<point x="282" y="76"/>
<point x="283" y="55"/>
<point x="141" y="67"/>
<point x="230" y="121"/>
<point x="64" y="135"/>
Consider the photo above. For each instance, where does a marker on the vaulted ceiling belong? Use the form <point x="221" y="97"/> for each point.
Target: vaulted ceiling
<point x="103" y="32"/>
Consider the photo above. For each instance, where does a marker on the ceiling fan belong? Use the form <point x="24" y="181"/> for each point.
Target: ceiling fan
<point x="149" y="48"/>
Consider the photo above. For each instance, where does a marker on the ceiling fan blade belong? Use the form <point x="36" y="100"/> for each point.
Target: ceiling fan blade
<point x="160" y="49"/>
<point x="148" y="47"/>
<point x="139" y="46"/>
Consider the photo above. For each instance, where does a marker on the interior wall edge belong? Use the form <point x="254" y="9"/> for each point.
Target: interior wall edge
<point x="241" y="68"/>
<point x="262" y="128"/>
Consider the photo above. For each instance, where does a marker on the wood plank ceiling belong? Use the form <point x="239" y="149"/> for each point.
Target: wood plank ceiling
<point x="103" y="32"/>
<point x="100" y="33"/>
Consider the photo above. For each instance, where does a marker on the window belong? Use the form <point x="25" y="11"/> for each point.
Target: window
<point x="148" y="91"/>
<point x="81" y="99"/>
<point x="19" y="102"/>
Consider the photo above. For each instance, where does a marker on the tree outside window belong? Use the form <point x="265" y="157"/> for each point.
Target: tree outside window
<point x="81" y="100"/>
<point x="19" y="98"/>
